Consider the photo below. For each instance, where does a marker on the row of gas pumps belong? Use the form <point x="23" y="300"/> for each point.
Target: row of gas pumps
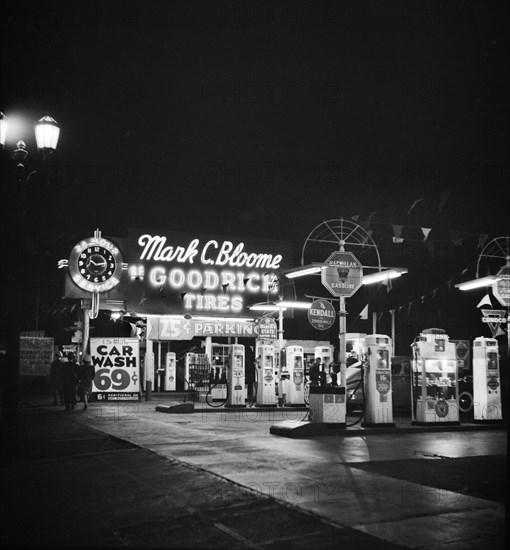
<point x="281" y="379"/>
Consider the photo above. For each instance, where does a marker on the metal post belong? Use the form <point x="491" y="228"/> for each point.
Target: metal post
<point x="393" y="329"/>
<point x="374" y="322"/>
<point x="280" y="346"/>
<point x="148" y="367"/>
<point x="508" y="333"/>
<point x="157" y="375"/>
<point x="342" y="313"/>
<point x="86" y="328"/>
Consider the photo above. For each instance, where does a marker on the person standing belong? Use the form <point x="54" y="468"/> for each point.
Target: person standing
<point x="56" y="379"/>
<point x="69" y="381"/>
<point x="85" y="376"/>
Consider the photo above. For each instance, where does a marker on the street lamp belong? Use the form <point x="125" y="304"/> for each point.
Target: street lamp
<point x="47" y="134"/>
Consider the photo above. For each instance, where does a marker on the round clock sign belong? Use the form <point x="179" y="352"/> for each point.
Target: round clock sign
<point x="95" y="264"/>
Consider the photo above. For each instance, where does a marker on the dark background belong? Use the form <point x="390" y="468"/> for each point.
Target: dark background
<point x="266" y="119"/>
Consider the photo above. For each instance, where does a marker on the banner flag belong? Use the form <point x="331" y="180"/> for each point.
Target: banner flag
<point x="444" y="198"/>
<point x="413" y="205"/>
<point x="485" y="301"/>
<point x="364" y="313"/>
<point x="430" y="246"/>
<point x="481" y="240"/>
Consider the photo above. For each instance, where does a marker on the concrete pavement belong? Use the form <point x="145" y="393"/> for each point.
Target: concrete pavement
<point x="246" y="488"/>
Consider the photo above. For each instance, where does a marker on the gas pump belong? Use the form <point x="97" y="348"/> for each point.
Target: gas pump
<point x="189" y="358"/>
<point x="294" y="386"/>
<point x="377" y="381"/>
<point x="170" y="375"/>
<point x="235" y="377"/>
<point x="326" y="356"/>
<point x="266" y="390"/>
<point x="435" y="383"/>
<point x="486" y="380"/>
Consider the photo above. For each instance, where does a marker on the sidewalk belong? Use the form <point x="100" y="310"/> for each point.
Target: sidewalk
<point x="126" y="475"/>
<point x="74" y="485"/>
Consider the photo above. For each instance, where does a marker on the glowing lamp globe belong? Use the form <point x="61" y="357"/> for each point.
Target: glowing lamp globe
<point x="47" y="132"/>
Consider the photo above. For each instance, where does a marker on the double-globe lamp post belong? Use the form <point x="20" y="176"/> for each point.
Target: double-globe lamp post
<point x="47" y="133"/>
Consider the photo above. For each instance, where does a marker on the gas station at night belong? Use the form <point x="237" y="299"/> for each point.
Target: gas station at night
<point x="208" y="322"/>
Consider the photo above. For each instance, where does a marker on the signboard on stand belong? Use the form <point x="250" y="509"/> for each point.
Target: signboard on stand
<point x="494" y="318"/>
<point x="35" y="355"/>
<point x="116" y="363"/>
<point x="321" y="314"/>
<point x="501" y="288"/>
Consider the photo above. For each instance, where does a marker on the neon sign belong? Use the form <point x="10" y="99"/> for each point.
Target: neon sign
<point x="155" y="249"/>
<point x="180" y="273"/>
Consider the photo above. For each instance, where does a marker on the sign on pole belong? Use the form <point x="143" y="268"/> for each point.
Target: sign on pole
<point x="35" y="355"/>
<point x="321" y="314"/>
<point x="268" y="329"/>
<point x="116" y="363"/>
<point x="342" y="274"/>
<point x="501" y="288"/>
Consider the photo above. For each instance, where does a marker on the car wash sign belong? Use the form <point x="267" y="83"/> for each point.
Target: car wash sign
<point x="181" y="273"/>
<point x="116" y="364"/>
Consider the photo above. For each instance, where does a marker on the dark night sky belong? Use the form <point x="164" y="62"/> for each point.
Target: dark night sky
<point x="267" y="118"/>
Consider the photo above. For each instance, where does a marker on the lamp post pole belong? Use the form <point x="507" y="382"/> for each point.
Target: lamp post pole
<point x="342" y="322"/>
<point x="47" y="133"/>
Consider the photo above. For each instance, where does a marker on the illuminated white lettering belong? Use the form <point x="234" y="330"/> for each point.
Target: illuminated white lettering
<point x="190" y="252"/>
<point x="233" y="262"/>
<point x="223" y="303"/>
<point x="210" y="302"/>
<point x="252" y="283"/>
<point x="194" y="279"/>
<point x="228" y="278"/>
<point x="236" y="304"/>
<point x="177" y="278"/>
<point x="151" y="244"/>
<point x="223" y="255"/>
<point x="157" y="276"/>
<point x="268" y="284"/>
<point x="203" y="259"/>
<point x="211" y="279"/>
<point x="154" y="247"/>
<point x="188" y="300"/>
